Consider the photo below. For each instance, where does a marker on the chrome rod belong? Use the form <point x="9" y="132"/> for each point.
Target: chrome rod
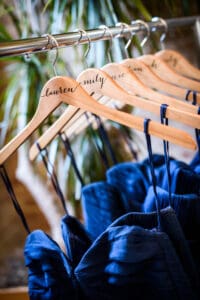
<point x="40" y="44"/>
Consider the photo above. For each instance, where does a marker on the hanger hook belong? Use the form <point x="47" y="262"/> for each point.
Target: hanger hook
<point x="143" y="24"/>
<point x="123" y="26"/>
<point x="106" y="28"/>
<point x="164" y="23"/>
<point x="82" y="31"/>
<point x="52" y="42"/>
<point x="80" y="37"/>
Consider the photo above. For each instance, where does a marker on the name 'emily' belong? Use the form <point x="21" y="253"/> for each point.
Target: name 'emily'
<point x="97" y="79"/>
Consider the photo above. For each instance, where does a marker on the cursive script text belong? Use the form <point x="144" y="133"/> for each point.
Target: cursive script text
<point x="154" y="65"/>
<point x="61" y="90"/>
<point x="136" y="69"/>
<point x="118" y="76"/>
<point x="172" y="60"/>
<point x="97" y="79"/>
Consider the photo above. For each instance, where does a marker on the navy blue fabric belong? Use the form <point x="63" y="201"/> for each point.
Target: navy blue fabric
<point x="101" y="204"/>
<point x="132" y="260"/>
<point x="76" y="239"/>
<point x="49" y="271"/>
<point x="131" y="182"/>
<point x="126" y="188"/>
<point x="195" y="163"/>
<point x="184" y="179"/>
<point x="187" y="208"/>
<point x="134" y="179"/>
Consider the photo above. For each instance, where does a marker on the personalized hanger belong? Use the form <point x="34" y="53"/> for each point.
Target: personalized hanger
<point x="162" y="70"/>
<point x="179" y="63"/>
<point x="98" y="82"/>
<point x="150" y="79"/>
<point x="66" y="90"/>
<point x="67" y="123"/>
<point x="71" y="122"/>
<point x="127" y="79"/>
<point x="176" y="60"/>
<point x="145" y="74"/>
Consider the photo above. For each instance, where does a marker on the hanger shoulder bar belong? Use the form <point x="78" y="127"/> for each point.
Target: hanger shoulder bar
<point x="43" y="110"/>
<point x="166" y="73"/>
<point x="179" y="63"/>
<point x="145" y="74"/>
<point x="66" y="90"/>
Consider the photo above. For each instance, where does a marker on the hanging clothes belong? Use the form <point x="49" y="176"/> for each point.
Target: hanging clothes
<point x="132" y="259"/>
<point x="51" y="272"/>
<point x="133" y="181"/>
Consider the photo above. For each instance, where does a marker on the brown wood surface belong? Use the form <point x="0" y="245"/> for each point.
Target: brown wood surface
<point x="19" y="293"/>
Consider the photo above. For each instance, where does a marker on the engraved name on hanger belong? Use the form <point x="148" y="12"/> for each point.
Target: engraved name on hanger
<point x="60" y="90"/>
<point x="97" y="79"/>
<point x="173" y="60"/>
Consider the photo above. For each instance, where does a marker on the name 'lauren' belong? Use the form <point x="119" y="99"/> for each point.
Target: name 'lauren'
<point x="60" y="90"/>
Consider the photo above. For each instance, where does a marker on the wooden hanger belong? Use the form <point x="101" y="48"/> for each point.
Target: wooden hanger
<point x="58" y="126"/>
<point x="67" y="90"/>
<point x="178" y="63"/>
<point x="162" y="70"/>
<point x="174" y="59"/>
<point x="150" y="79"/>
<point x="127" y="79"/>
<point x="66" y="123"/>
<point x="97" y="81"/>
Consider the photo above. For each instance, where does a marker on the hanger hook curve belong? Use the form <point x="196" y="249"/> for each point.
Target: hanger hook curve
<point x="107" y="29"/>
<point x="123" y="26"/>
<point x="145" y="25"/>
<point x="164" y="23"/>
<point x="82" y="31"/>
<point x="53" y="45"/>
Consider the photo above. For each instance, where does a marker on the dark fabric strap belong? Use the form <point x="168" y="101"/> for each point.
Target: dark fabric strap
<point x="153" y="176"/>
<point x="101" y="153"/>
<point x="164" y="120"/>
<point x="53" y="176"/>
<point x="194" y="102"/>
<point x="13" y="197"/>
<point x="194" y="96"/>
<point x="104" y="137"/>
<point x="187" y="95"/>
<point x="197" y="133"/>
<point x="69" y="151"/>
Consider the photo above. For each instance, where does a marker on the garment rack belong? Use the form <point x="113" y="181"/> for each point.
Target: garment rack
<point x="40" y="44"/>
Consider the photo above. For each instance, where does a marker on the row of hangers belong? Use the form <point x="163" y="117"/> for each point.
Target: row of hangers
<point x="139" y="82"/>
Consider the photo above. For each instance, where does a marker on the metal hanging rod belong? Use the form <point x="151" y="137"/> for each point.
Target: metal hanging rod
<point x="40" y="44"/>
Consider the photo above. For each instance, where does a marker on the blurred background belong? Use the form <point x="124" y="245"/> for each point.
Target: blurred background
<point x="21" y="82"/>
